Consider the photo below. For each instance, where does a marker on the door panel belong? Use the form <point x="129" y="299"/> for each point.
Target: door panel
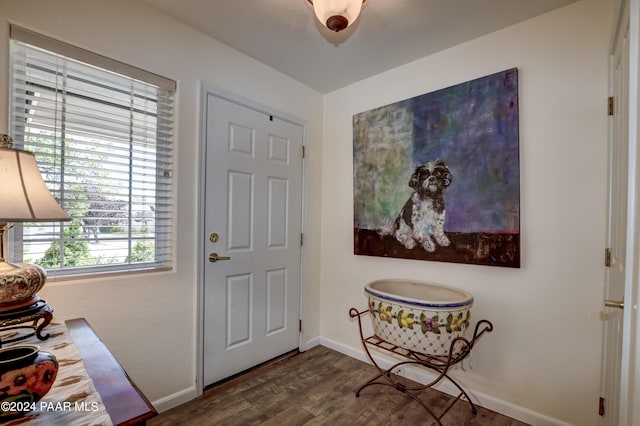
<point x="276" y="301"/>
<point x="239" y="289"/>
<point x="253" y="201"/>
<point x="240" y="194"/>
<point x="278" y="203"/>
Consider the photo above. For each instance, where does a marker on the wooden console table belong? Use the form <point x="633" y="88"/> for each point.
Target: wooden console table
<point x="124" y="402"/>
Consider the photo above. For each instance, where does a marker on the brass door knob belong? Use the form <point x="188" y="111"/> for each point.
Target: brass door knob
<point x="213" y="257"/>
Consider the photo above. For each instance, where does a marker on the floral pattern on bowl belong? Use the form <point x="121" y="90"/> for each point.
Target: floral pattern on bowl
<point x="427" y="331"/>
<point x="428" y="324"/>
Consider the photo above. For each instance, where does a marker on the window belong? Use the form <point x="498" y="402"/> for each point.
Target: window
<point x="101" y="132"/>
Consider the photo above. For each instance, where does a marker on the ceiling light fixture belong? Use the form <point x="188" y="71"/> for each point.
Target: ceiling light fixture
<point x="337" y="14"/>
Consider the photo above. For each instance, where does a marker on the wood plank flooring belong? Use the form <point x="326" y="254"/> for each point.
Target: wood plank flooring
<point x="317" y="388"/>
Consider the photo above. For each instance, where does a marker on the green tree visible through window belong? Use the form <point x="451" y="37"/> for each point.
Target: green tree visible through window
<point x="142" y="251"/>
<point x="76" y="250"/>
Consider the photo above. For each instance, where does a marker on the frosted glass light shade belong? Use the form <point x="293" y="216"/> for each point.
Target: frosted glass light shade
<point x="337" y="14"/>
<point x="24" y="197"/>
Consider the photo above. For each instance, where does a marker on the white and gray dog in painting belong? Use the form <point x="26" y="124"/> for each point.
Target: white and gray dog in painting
<point x="421" y="220"/>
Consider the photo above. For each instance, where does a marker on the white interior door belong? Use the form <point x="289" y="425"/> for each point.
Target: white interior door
<point x="617" y="227"/>
<point x="253" y="205"/>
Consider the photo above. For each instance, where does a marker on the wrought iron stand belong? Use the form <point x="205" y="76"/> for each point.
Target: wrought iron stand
<point x="459" y="350"/>
<point x="27" y="317"/>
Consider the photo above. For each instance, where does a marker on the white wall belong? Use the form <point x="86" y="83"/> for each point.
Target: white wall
<point x="543" y="357"/>
<point x="544" y="354"/>
<point x="149" y="320"/>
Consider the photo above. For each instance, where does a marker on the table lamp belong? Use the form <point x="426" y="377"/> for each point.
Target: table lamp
<point x="24" y="197"/>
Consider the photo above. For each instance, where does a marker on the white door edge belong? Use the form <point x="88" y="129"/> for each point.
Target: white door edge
<point x="629" y="410"/>
<point x="207" y="89"/>
<point x="630" y="386"/>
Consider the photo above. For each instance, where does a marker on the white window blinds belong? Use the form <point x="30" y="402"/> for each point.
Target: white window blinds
<point x="102" y="134"/>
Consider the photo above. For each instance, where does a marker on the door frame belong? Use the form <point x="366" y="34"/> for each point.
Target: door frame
<point x="629" y="413"/>
<point x="207" y="89"/>
<point x="630" y="387"/>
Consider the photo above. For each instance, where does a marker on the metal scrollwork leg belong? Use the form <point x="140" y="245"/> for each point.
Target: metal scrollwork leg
<point x="35" y="318"/>
<point x="47" y="316"/>
<point x="460" y="348"/>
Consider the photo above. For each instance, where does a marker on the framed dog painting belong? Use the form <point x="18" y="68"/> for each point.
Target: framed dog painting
<point x="437" y="177"/>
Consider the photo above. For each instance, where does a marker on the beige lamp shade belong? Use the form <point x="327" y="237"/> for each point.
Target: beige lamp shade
<point x="337" y="14"/>
<point x="24" y="197"/>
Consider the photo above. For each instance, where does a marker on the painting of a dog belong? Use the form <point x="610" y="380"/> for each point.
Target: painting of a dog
<point x="436" y="177"/>
<point x="421" y="220"/>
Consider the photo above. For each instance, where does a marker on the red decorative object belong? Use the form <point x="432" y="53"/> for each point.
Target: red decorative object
<point x="26" y="375"/>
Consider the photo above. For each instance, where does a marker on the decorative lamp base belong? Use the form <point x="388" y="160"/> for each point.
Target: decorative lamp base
<point x="19" y="285"/>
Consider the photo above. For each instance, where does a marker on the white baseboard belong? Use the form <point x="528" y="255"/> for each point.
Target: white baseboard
<point x="421" y="375"/>
<point x="313" y="342"/>
<point x="175" y="399"/>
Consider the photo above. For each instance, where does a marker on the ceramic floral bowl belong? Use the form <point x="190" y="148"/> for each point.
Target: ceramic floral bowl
<point x="418" y="316"/>
<point x="26" y="375"/>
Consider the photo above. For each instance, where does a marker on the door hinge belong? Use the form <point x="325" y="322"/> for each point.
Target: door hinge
<point x="303" y="151"/>
<point x="607" y="257"/>
<point x="610" y="105"/>
<point x="301" y="239"/>
<point x="601" y="406"/>
<point x="300" y="326"/>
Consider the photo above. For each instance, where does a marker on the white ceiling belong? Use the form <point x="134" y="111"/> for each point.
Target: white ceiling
<point x="285" y="35"/>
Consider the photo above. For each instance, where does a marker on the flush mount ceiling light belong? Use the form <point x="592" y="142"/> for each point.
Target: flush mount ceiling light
<point x="337" y="14"/>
